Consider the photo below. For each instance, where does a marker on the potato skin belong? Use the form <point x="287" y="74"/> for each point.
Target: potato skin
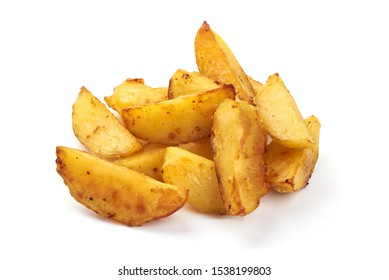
<point x="215" y="60"/>
<point x="117" y="192"/>
<point x="289" y="170"/>
<point x="134" y="92"/>
<point x="176" y="121"/>
<point x="184" y="82"/>
<point x="238" y="142"/>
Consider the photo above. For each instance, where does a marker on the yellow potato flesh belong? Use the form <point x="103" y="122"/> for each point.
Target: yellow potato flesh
<point x="238" y="143"/>
<point x="215" y="60"/>
<point x="133" y="92"/>
<point x="280" y="115"/>
<point x="184" y="82"/>
<point x="183" y="168"/>
<point x="179" y="120"/>
<point x="289" y="170"/>
<point x="115" y="191"/>
<point x="147" y="161"/>
<point x="200" y="147"/>
<point x="99" y="130"/>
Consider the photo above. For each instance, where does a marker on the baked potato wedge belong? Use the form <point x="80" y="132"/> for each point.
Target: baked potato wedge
<point x="238" y="142"/>
<point x="200" y="147"/>
<point x="115" y="191"/>
<point x="184" y="82"/>
<point x="134" y="92"/>
<point x="289" y="170"/>
<point x="280" y="115"/>
<point x="215" y="60"/>
<point x="257" y="86"/>
<point x="180" y="120"/>
<point x="99" y="130"/>
<point x="148" y="161"/>
<point x="183" y="168"/>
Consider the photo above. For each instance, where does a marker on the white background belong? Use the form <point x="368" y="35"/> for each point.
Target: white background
<point x="333" y="57"/>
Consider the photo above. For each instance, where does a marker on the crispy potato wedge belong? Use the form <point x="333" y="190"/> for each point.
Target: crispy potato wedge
<point x="99" y="130"/>
<point x="200" y="147"/>
<point x="133" y="92"/>
<point x="289" y="170"/>
<point x="183" y="168"/>
<point x="184" y="82"/>
<point x="179" y="120"/>
<point x="257" y="86"/>
<point x="215" y="60"/>
<point x="148" y="161"/>
<point x="238" y="142"/>
<point x="281" y="116"/>
<point x="115" y="191"/>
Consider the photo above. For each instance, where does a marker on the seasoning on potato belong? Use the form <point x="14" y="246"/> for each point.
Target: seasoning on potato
<point x="213" y="137"/>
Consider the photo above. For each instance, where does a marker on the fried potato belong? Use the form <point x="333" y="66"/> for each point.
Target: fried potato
<point x="183" y="168"/>
<point x="148" y="161"/>
<point x="133" y="92"/>
<point x="184" y="82"/>
<point x="115" y="191"/>
<point x="99" y="130"/>
<point x="238" y="142"/>
<point x="257" y="86"/>
<point x="215" y="60"/>
<point x="281" y="116"/>
<point x="200" y="147"/>
<point x="289" y="170"/>
<point x="179" y="120"/>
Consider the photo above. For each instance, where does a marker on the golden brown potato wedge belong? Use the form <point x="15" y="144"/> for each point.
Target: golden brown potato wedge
<point x="99" y="130"/>
<point x="257" y="86"/>
<point x="180" y="120"/>
<point x="133" y="92"/>
<point x="115" y="191"/>
<point x="289" y="170"/>
<point x="215" y="60"/>
<point x="281" y="116"/>
<point x="183" y="168"/>
<point x="148" y="161"/>
<point x="238" y="143"/>
<point x="200" y="147"/>
<point x="184" y="82"/>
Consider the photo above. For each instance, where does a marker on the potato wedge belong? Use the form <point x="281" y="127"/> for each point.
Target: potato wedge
<point x="281" y="116"/>
<point x="238" y="142"/>
<point x="289" y="170"/>
<point x="215" y="60"/>
<point x="183" y="168"/>
<point x="148" y="161"/>
<point x="133" y="92"/>
<point x="99" y="130"/>
<point x="257" y="86"/>
<point x="115" y="191"/>
<point x="180" y="120"/>
<point x="184" y="82"/>
<point x="200" y="147"/>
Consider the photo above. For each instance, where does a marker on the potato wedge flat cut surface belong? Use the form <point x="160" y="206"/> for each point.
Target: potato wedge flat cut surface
<point x="238" y="143"/>
<point x="183" y="168"/>
<point x="117" y="192"/>
<point x="215" y="59"/>
<point x="289" y="170"/>
<point x="147" y="161"/>
<point x="184" y="82"/>
<point x="280" y="115"/>
<point x="99" y="130"/>
<point x="133" y="92"/>
<point x="180" y="120"/>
